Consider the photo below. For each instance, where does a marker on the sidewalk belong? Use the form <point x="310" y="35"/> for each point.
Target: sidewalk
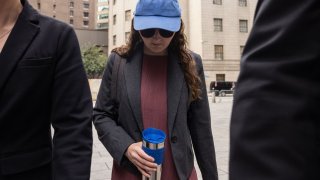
<point x="220" y="119"/>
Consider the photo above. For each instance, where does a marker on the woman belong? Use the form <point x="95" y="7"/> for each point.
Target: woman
<point x="42" y="84"/>
<point x="161" y="86"/>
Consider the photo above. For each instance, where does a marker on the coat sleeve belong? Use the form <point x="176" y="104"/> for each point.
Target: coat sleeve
<point x="71" y="112"/>
<point x="275" y="128"/>
<point x="105" y="114"/>
<point x="199" y="123"/>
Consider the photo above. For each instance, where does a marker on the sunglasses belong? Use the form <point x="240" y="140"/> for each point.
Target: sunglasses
<point x="148" y="33"/>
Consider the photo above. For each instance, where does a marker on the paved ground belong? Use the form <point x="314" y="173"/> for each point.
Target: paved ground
<point x="220" y="115"/>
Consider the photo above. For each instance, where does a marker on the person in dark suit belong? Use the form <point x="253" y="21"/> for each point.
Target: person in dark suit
<point x="42" y="83"/>
<point x="275" y="132"/>
<point x="161" y="85"/>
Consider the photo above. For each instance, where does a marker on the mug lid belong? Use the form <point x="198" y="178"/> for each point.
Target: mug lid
<point x="153" y="135"/>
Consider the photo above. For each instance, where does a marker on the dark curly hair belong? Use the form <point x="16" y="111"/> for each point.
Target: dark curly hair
<point x="178" y="45"/>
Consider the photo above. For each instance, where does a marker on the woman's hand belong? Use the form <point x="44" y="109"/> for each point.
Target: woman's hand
<point x="140" y="159"/>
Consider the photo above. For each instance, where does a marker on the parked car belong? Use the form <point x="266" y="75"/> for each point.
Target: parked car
<point x="221" y="88"/>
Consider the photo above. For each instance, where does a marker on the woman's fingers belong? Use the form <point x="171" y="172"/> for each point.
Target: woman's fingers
<point x="143" y="172"/>
<point x="140" y="159"/>
<point x="143" y="160"/>
<point x="144" y="155"/>
<point x="146" y="165"/>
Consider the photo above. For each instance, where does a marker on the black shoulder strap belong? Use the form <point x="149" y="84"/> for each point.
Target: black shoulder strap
<point x="117" y="69"/>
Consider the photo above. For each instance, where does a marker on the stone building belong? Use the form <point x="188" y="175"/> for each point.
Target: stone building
<point x="216" y="29"/>
<point x="89" y="18"/>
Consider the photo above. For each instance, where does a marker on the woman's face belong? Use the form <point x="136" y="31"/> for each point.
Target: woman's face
<point x="156" y="41"/>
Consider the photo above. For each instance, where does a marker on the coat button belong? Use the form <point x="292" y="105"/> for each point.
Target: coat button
<point x="174" y="139"/>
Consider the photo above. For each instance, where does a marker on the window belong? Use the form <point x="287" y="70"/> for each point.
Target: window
<point x="114" y="2"/>
<point x="217" y="24"/>
<point x="54" y="7"/>
<point x="39" y="6"/>
<point x="103" y="16"/>
<point x="218" y="52"/>
<point x="85" y="23"/>
<point x="102" y="8"/>
<point x="243" y="3"/>
<point x="102" y="25"/>
<point x="54" y="16"/>
<point x="86" y="14"/>
<point x="220" y="77"/>
<point x="127" y="36"/>
<point x="128" y="15"/>
<point x="102" y="0"/>
<point x="86" y="5"/>
<point x="71" y="13"/>
<point x="114" y="40"/>
<point x="114" y="19"/>
<point x="241" y="50"/>
<point x="243" y="26"/>
<point x="71" y="5"/>
<point x="218" y="2"/>
<point x="71" y="21"/>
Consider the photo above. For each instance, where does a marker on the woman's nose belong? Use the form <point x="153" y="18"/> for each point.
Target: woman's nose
<point x="157" y="34"/>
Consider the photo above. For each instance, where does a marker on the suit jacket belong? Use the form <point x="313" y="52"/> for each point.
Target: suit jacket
<point x="275" y="117"/>
<point x="120" y="126"/>
<point x="43" y="82"/>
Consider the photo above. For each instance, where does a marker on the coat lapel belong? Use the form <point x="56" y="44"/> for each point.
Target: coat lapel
<point x="17" y="43"/>
<point x="175" y="82"/>
<point x="133" y="82"/>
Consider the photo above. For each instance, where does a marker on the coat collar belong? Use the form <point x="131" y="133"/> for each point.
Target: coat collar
<point x="21" y="36"/>
<point x="175" y="84"/>
<point x="133" y="83"/>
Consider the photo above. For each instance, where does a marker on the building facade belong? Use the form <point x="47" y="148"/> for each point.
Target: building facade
<point x="89" y="18"/>
<point x="120" y="16"/>
<point x="216" y="29"/>
<point x="102" y="14"/>
<point x="81" y="14"/>
<point x="226" y="25"/>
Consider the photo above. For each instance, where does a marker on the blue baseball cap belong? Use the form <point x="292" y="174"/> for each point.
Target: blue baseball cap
<point x="162" y="14"/>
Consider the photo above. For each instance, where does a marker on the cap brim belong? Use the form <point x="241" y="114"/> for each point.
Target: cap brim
<point x="148" y="22"/>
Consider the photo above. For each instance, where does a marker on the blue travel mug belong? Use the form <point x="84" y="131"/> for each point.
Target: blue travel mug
<point x="153" y="145"/>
